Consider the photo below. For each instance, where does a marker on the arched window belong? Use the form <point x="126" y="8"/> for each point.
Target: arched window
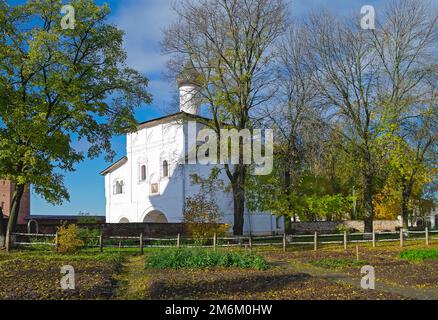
<point x="165" y="169"/>
<point x="119" y="187"/>
<point x="143" y="173"/>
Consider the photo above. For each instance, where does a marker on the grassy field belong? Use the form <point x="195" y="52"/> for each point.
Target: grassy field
<point x="297" y="274"/>
<point x="36" y="274"/>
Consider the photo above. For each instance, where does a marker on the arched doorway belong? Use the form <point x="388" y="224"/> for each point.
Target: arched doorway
<point x="155" y="216"/>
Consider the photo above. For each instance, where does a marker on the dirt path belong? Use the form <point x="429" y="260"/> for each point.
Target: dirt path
<point x="133" y="282"/>
<point x="342" y="278"/>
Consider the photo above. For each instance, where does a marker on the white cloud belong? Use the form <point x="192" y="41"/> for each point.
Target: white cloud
<point x="144" y="21"/>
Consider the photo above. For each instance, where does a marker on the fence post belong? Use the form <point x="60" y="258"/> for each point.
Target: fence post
<point x="345" y="241"/>
<point x="101" y="242"/>
<point x="284" y="242"/>
<point x="214" y="241"/>
<point x="57" y="242"/>
<point x="141" y="243"/>
<point x="315" y="242"/>
<point x="401" y="237"/>
<point x="427" y="236"/>
<point x="374" y="239"/>
<point x="250" y="242"/>
<point x="178" y="241"/>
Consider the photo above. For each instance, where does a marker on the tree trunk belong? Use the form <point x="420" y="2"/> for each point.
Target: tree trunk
<point x="13" y="215"/>
<point x="239" y="200"/>
<point x="406" y="195"/>
<point x="405" y="211"/>
<point x="2" y="229"/>
<point x="368" y="204"/>
<point x="287" y="218"/>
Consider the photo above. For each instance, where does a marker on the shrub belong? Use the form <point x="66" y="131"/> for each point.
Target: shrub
<point x="203" y="218"/>
<point x="68" y="240"/>
<point x="419" y="254"/>
<point x="90" y="237"/>
<point x="200" y="258"/>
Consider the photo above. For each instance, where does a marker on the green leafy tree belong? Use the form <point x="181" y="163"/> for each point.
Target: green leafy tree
<point x="228" y="45"/>
<point x="58" y="86"/>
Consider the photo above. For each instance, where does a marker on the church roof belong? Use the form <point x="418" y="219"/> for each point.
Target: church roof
<point x="149" y="124"/>
<point x="168" y="118"/>
<point x="114" y="166"/>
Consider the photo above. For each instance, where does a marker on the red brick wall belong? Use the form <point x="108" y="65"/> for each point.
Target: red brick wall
<point x="6" y="193"/>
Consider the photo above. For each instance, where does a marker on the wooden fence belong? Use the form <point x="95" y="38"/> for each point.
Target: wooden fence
<point x="314" y="241"/>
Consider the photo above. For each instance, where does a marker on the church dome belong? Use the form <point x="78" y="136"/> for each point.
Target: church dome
<point x="188" y="76"/>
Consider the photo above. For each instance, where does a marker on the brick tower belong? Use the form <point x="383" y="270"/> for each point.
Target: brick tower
<point x="6" y="194"/>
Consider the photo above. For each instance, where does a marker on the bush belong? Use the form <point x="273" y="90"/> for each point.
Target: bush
<point x="199" y="259"/>
<point x="203" y="218"/>
<point x="419" y="254"/>
<point x="90" y="237"/>
<point x="68" y="240"/>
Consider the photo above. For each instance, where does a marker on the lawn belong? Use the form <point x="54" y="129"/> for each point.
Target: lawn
<point x="231" y="274"/>
<point x="411" y="267"/>
<point x="36" y="275"/>
<point x="420" y="254"/>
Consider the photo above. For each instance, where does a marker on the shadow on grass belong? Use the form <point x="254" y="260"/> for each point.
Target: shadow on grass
<point x="162" y="289"/>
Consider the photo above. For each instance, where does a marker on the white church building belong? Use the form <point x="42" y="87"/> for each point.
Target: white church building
<point x="151" y="184"/>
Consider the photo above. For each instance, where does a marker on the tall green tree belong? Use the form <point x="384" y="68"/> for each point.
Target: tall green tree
<point x="229" y="44"/>
<point x="366" y="77"/>
<point x="57" y="86"/>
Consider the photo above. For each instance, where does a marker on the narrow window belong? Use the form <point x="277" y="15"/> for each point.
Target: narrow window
<point x="143" y="173"/>
<point x="165" y="169"/>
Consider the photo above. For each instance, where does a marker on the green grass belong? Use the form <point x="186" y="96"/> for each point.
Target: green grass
<point x="202" y="258"/>
<point x="419" y="254"/>
<point x="338" y="263"/>
<point x="48" y="254"/>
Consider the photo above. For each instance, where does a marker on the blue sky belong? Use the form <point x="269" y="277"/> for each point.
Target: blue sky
<point x="143" y="22"/>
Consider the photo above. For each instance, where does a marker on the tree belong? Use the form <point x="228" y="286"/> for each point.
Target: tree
<point x="345" y="77"/>
<point x="297" y="120"/>
<point x="369" y="79"/>
<point x="229" y="44"/>
<point x="413" y="159"/>
<point x="57" y="86"/>
<point x="406" y="47"/>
